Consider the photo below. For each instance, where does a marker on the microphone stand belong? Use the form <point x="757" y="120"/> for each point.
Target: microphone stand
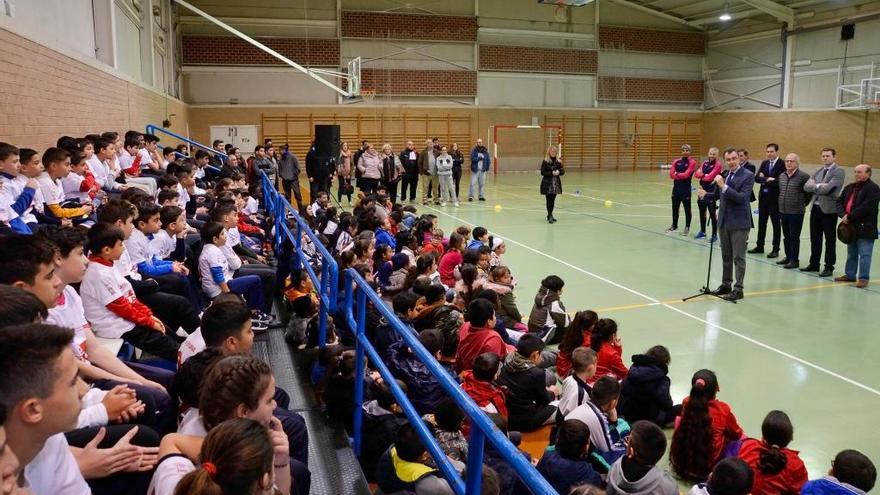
<point x="706" y="291"/>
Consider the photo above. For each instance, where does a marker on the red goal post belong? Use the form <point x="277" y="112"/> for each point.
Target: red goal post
<point x="493" y="137"/>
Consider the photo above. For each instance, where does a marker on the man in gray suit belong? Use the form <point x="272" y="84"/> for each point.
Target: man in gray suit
<point x="734" y="223"/>
<point x="825" y="185"/>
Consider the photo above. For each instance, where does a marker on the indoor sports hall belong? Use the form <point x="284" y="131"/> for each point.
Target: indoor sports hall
<point x="369" y="229"/>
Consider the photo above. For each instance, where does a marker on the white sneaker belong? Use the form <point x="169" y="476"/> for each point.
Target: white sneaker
<point x="457" y="204"/>
<point x="443" y="203"/>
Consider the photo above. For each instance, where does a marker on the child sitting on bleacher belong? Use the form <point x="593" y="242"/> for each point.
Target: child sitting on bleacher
<point x="706" y="432"/>
<point x="80" y="183"/>
<point x="608" y="432"/>
<point x="548" y="317"/>
<point x="479" y="384"/>
<point x="637" y="473"/>
<point x="218" y="277"/>
<point x="564" y="465"/>
<point x="110" y="303"/>
<point x="382" y="417"/>
<point x="403" y="467"/>
<point x="168" y="243"/>
<point x="226" y="325"/>
<point x="852" y="473"/>
<point x="425" y="390"/>
<point x="15" y="197"/>
<point x="731" y="476"/>
<point x="478" y="335"/>
<point x="57" y="164"/>
<point x="449" y="419"/>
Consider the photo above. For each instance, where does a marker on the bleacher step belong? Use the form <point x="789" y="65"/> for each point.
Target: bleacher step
<point x="335" y="469"/>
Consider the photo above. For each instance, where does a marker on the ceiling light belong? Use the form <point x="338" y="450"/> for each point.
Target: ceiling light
<point x="725" y="14"/>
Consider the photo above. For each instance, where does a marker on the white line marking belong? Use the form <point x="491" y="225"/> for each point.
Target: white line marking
<point x="677" y="310"/>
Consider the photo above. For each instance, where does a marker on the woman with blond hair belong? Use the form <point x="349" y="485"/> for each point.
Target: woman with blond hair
<point x="392" y="170"/>
<point x="551" y="184"/>
<point x="344" y="171"/>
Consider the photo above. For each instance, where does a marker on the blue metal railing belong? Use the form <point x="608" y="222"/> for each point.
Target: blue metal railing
<point x="482" y="428"/>
<point x="153" y="129"/>
<point x="328" y="282"/>
<point x="355" y="314"/>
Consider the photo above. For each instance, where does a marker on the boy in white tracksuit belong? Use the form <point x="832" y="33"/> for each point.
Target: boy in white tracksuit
<point x="444" y="173"/>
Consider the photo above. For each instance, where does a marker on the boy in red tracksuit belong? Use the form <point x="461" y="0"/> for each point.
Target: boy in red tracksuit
<point x="109" y="302"/>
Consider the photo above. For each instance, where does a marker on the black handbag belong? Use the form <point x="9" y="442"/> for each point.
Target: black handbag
<point x="846" y="232"/>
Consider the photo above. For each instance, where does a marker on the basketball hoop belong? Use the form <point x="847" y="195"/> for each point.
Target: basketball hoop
<point x="367" y="95"/>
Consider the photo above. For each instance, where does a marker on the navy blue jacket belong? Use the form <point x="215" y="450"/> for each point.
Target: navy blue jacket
<point x="734" y="211"/>
<point x="644" y="393"/>
<point x="564" y="473"/>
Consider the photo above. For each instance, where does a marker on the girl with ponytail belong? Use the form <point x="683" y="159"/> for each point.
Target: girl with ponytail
<point x="778" y="469"/>
<point x="237" y="457"/>
<point x="579" y="334"/>
<point x="608" y="347"/>
<point x="706" y="430"/>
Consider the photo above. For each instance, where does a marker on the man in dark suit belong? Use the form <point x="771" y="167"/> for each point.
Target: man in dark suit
<point x="734" y="223"/>
<point x="746" y="164"/>
<point x="768" y="199"/>
<point x="858" y="206"/>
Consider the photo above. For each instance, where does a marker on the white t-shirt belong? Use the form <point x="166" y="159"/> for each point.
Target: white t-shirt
<point x="126" y="267"/>
<point x="146" y="159"/>
<point x="162" y="245"/>
<point x="170" y="470"/>
<point x="10" y="190"/>
<point x="252" y="206"/>
<point x="183" y="197"/>
<point x="193" y="345"/>
<point x="138" y="247"/>
<point x="233" y="237"/>
<point x="53" y="193"/>
<point x="102" y="285"/>
<point x="68" y="312"/>
<point x="213" y="256"/>
<point x="28" y="215"/>
<point x="191" y="423"/>
<point x="71" y="185"/>
<point x="97" y="168"/>
<point x="54" y="470"/>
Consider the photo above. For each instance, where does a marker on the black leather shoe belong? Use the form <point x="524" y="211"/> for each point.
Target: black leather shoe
<point x="773" y="254"/>
<point x="756" y="250"/>
<point x="733" y="296"/>
<point x="791" y="265"/>
<point x="827" y="272"/>
<point x="810" y="268"/>
<point x="552" y="219"/>
<point x="783" y="261"/>
<point x="721" y="290"/>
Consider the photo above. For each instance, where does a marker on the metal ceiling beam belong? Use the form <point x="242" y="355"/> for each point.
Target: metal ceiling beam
<point x="657" y="13"/>
<point x="779" y="11"/>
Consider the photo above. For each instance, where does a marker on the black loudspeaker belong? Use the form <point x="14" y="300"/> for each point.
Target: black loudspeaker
<point x="327" y="140"/>
<point x="847" y="32"/>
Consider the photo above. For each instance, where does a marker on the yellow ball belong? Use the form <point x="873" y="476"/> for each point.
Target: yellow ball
<point x="497" y="207"/>
<point x="608" y="203"/>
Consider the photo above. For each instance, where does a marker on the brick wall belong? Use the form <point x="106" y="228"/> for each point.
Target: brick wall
<point x="420" y="82"/>
<point x="532" y="59"/>
<point x="231" y="50"/>
<point x="651" y="40"/>
<point x="640" y="89"/>
<point x="45" y="94"/>
<point x="358" y="24"/>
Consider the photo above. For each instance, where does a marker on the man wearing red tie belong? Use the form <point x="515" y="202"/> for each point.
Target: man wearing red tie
<point x="734" y="223"/>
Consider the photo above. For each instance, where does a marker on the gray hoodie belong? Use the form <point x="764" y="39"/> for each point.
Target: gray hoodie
<point x="655" y="482"/>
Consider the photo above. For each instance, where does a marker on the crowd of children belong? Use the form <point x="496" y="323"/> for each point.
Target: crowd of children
<point x="110" y="237"/>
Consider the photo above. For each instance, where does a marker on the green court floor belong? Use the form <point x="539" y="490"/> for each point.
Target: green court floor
<point x="798" y="343"/>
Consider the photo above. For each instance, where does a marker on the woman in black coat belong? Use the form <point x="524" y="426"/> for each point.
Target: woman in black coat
<point x="551" y="184"/>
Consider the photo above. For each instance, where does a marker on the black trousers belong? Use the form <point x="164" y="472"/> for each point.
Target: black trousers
<point x="456" y="178"/>
<point x="391" y="187"/>
<point x="174" y="311"/>
<point x="768" y="208"/>
<point x="344" y="183"/>
<point x="792" y="224"/>
<point x="320" y="184"/>
<point x="411" y="182"/>
<point x="133" y="483"/>
<point x="681" y="201"/>
<point x="368" y="186"/>
<point x="711" y="208"/>
<point x="291" y="188"/>
<point x="823" y="225"/>
<point x="149" y="340"/>
<point x="551" y="203"/>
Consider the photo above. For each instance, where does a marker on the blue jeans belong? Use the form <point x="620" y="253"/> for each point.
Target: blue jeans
<point x="249" y="286"/>
<point x="477" y="179"/>
<point x="858" y="256"/>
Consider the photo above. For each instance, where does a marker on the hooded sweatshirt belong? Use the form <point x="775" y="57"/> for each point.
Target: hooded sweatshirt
<point x="654" y="482"/>
<point x="644" y="393"/>
<point x="548" y="312"/>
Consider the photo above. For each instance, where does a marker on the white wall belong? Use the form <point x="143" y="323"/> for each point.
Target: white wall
<point x="73" y="29"/>
<point x="253" y="86"/>
<point x="524" y="90"/>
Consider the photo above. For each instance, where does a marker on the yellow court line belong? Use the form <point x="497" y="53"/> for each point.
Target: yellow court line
<point x="756" y="293"/>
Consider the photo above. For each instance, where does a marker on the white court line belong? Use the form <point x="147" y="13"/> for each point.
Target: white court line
<point x="657" y="302"/>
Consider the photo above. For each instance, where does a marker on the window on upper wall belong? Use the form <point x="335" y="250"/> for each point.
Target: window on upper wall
<point x="129" y="16"/>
